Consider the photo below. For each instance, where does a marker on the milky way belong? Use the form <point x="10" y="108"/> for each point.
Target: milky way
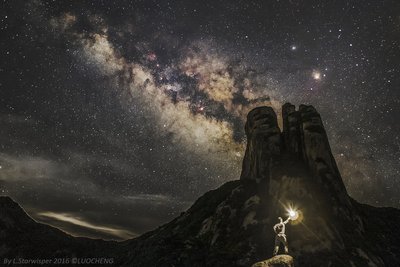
<point x="117" y="116"/>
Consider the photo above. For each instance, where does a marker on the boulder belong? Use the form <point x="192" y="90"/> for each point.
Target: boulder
<point x="276" y="261"/>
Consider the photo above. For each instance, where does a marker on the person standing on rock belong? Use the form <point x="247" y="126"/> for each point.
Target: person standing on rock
<point x="280" y="237"/>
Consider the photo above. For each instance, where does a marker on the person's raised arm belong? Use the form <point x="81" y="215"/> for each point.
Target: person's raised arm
<point x="287" y="220"/>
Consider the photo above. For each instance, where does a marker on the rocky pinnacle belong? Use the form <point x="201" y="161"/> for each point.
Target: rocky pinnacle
<point x="303" y="139"/>
<point x="263" y="143"/>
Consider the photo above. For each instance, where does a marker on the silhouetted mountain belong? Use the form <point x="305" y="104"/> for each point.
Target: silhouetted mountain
<point x="232" y="225"/>
<point x="22" y="237"/>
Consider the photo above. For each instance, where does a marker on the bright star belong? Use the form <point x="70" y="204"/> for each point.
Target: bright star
<point x="316" y="75"/>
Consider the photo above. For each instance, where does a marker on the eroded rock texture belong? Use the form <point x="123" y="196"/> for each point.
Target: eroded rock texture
<point x="263" y="143"/>
<point x="276" y="261"/>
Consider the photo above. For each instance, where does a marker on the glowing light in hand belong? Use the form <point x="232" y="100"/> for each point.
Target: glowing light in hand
<point x="293" y="214"/>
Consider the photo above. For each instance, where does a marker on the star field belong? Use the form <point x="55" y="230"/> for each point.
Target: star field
<point x="117" y="115"/>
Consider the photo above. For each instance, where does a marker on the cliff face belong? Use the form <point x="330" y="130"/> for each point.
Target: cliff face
<point x="303" y="138"/>
<point x="232" y="225"/>
<point x="296" y="168"/>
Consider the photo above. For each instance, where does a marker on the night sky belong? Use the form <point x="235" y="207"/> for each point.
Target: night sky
<point x="116" y="115"/>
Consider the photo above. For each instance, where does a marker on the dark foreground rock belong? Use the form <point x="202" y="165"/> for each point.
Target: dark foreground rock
<point x="232" y="225"/>
<point x="276" y="261"/>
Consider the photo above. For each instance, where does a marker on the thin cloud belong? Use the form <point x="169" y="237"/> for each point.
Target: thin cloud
<point x="69" y="218"/>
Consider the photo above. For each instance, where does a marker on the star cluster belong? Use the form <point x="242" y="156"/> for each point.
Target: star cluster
<point x="117" y="115"/>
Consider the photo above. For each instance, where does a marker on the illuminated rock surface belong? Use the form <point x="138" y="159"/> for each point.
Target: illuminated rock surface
<point x="276" y="261"/>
